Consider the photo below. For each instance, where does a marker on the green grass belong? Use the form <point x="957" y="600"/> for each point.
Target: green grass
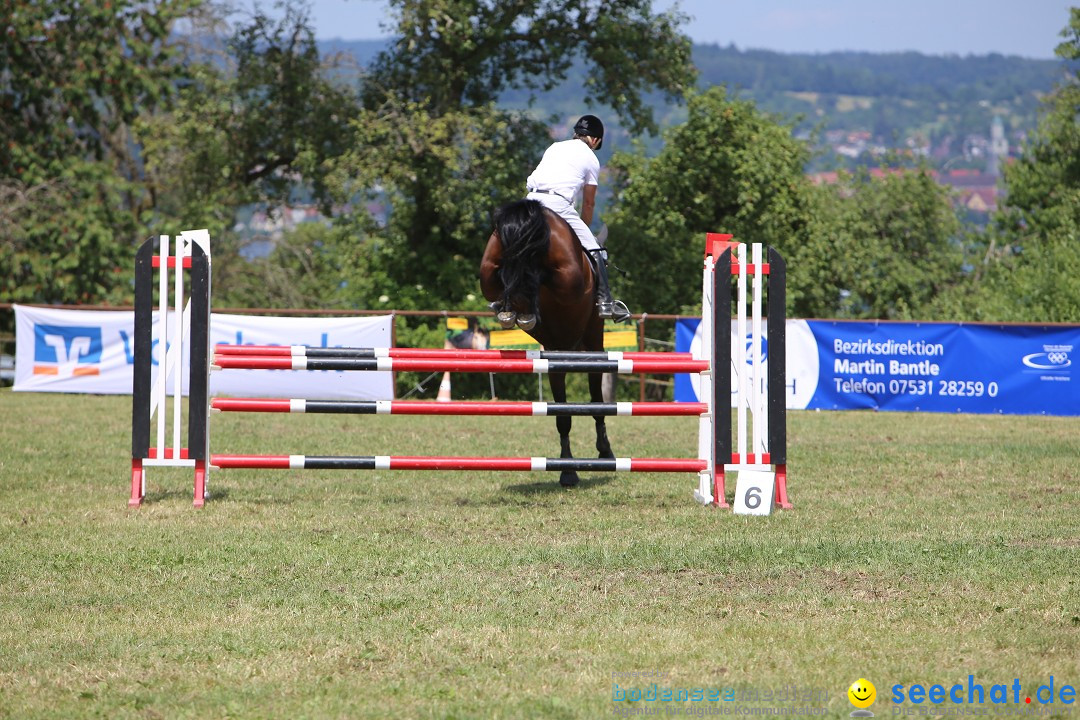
<point x="922" y="549"/>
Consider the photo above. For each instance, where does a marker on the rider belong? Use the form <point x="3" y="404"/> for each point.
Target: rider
<point x="570" y="167"/>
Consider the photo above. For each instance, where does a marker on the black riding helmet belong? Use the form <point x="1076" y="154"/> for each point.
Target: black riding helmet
<point x="590" y="126"/>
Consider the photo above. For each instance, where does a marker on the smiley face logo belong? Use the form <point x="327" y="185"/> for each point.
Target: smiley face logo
<point x="862" y="693"/>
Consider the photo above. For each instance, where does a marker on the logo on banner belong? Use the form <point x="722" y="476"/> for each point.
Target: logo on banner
<point x="761" y="353"/>
<point x="67" y="350"/>
<point x="802" y="366"/>
<point x="1053" y="357"/>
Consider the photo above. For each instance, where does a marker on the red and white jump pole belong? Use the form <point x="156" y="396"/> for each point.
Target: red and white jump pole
<point x="222" y="350"/>
<point x="455" y="407"/>
<point x="434" y="364"/>
<point x="391" y="462"/>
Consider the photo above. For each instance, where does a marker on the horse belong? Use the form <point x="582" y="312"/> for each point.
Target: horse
<point x="536" y="273"/>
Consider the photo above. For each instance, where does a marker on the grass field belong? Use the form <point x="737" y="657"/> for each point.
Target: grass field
<point x="923" y="549"/>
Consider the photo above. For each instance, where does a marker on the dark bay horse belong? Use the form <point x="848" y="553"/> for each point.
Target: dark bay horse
<point x="534" y="266"/>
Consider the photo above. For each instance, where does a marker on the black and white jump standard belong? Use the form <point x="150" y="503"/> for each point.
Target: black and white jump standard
<point x="730" y="368"/>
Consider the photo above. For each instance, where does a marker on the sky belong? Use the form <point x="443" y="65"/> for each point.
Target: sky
<point x="1028" y="28"/>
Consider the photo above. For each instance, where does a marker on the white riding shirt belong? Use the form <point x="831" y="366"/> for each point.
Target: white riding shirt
<point x="567" y="167"/>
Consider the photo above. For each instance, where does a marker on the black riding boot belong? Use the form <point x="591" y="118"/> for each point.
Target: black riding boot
<point x="609" y="306"/>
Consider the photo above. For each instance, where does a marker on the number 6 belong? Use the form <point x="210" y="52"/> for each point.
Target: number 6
<point x="754" y="492"/>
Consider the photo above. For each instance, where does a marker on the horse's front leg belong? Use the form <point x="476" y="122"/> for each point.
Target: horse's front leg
<point x="596" y="394"/>
<point x="567" y="478"/>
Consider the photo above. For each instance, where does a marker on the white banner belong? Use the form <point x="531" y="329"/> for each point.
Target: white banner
<point x="85" y="351"/>
<point x="314" y="332"/>
<point x="77" y="351"/>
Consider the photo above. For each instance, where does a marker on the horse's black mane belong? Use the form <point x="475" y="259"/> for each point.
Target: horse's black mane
<point x="523" y="231"/>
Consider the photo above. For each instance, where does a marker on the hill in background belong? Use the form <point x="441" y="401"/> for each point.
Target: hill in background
<point x="861" y="105"/>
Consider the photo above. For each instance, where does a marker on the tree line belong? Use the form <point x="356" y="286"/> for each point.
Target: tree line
<point x="136" y="117"/>
<point x="908" y="75"/>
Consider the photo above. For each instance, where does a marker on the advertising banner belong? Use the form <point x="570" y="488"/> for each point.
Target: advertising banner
<point x="82" y="351"/>
<point x="930" y="367"/>
<point x="78" y="351"/>
<point x="314" y="332"/>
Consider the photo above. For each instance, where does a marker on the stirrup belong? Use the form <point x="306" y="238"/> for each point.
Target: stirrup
<point x="506" y="318"/>
<point x="616" y="310"/>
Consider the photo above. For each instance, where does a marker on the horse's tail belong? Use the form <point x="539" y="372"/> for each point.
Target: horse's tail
<point x="525" y="236"/>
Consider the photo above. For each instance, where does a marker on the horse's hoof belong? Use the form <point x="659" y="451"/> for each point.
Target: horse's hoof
<point x="506" y="318"/>
<point x="569" y="478"/>
<point x="526" y="322"/>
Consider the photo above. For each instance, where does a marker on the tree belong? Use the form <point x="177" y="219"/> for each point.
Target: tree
<point x="77" y="79"/>
<point x="302" y="271"/>
<point x="431" y="145"/>
<point x="880" y="247"/>
<point x="255" y="124"/>
<point x="728" y="169"/>
<point x="68" y="238"/>
<point x="1031" y="268"/>
<point x="1043" y="184"/>
<point x="118" y="127"/>
<point x="452" y="54"/>
<point x="439" y="178"/>
<point x="902" y="245"/>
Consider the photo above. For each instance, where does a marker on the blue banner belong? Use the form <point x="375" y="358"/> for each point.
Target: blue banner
<point x="923" y="367"/>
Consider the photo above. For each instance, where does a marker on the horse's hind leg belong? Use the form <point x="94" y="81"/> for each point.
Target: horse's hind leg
<point x="596" y="394"/>
<point x="567" y="478"/>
